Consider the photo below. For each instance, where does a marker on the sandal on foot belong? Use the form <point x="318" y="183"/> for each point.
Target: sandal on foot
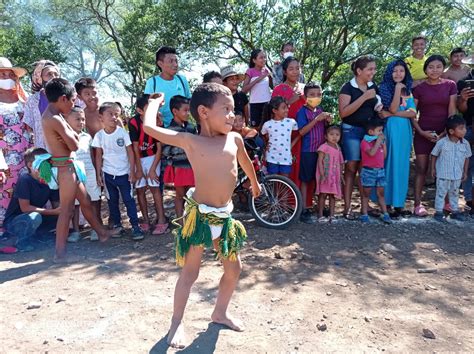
<point x="349" y="215"/>
<point x="160" y="229"/>
<point x="420" y="211"/>
<point x="374" y="213"/>
<point x="145" y="227"/>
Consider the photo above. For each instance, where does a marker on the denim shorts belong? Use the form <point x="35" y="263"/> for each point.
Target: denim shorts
<point x="372" y="177"/>
<point x="274" y="168"/>
<point x="351" y="138"/>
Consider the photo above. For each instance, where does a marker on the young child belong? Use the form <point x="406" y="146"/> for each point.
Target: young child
<point x="312" y="121"/>
<point x="26" y="216"/>
<point x="115" y="167"/>
<point x="240" y="127"/>
<point x="329" y="172"/>
<point x="212" y="76"/>
<point x="258" y="80"/>
<point x="449" y="164"/>
<point x="178" y="170"/>
<point x="278" y="127"/>
<point x="86" y="89"/>
<point x="148" y="167"/>
<point x="213" y="155"/>
<point x="61" y="168"/>
<point x="76" y="119"/>
<point x="373" y="152"/>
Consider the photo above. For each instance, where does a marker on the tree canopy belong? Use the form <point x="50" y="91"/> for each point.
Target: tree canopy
<point x="117" y="39"/>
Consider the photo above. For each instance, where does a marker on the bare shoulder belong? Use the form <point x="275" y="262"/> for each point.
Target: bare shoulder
<point x="236" y="137"/>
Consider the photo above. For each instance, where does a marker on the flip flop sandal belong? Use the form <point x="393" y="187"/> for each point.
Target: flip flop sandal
<point x="160" y="229"/>
<point x="8" y="250"/>
<point x="420" y="211"/>
<point x="349" y="216"/>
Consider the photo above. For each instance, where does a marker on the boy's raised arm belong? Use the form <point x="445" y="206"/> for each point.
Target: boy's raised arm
<point x="163" y="135"/>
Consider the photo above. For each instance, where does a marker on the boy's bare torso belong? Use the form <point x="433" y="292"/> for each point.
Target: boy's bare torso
<point x="93" y="123"/>
<point x="56" y="144"/>
<point x="214" y="163"/>
<point x="456" y="75"/>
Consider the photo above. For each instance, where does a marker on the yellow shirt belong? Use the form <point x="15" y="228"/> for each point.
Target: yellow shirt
<point x="416" y="67"/>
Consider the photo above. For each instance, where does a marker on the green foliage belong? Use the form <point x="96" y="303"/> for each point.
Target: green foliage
<point x="23" y="46"/>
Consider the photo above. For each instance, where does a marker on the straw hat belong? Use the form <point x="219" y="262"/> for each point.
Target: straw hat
<point x="229" y="71"/>
<point x="6" y="64"/>
<point x="468" y="60"/>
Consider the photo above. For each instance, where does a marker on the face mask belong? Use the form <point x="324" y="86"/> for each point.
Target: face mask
<point x="288" y="54"/>
<point x="313" y="101"/>
<point x="370" y="138"/>
<point x="7" y="84"/>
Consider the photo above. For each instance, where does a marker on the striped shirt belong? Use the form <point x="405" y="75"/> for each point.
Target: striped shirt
<point x="451" y="158"/>
<point x="313" y="139"/>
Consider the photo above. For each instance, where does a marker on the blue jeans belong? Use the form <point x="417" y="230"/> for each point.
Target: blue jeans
<point x="116" y="185"/>
<point x="28" y="226"/>
<point x="467" y="184"/>
<point x="351" y="138"/>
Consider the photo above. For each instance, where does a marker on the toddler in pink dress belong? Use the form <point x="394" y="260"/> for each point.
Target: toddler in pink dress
<point x="328" y="172"/>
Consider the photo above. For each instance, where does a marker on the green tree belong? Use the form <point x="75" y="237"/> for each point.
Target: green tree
<point x="24" y="47"/>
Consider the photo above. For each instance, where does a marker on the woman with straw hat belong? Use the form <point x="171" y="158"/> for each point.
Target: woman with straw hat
<point x="14" y="137"/>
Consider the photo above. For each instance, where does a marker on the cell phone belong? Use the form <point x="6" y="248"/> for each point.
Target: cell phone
<point x="469" y="84"/>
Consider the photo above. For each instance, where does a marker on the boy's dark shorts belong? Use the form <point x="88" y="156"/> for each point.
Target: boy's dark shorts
<point x="308" y="164"/>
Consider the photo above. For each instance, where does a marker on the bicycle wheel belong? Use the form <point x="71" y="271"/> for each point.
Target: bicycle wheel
<point x="279" y="204"/>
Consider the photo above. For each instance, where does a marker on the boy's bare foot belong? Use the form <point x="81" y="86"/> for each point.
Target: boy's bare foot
<point x="67" y="259"/>
<point x="176" y="336"/>
<point x="106" y="234"/>
<point x="228" y="321"/>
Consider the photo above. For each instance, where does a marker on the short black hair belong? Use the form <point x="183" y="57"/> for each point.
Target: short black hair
<point x="285" y="44"/>
<point x="142" y="101"/>
<point x="238" y="113"/>
<point x="417" y="38"/>
<point x="177" y="101"/>
<point x="434" y="57"/>
<point x="83" y="83"/>
<point x="106" y="105"/>
<point x="206" y="95"/>
<point x="374" y="123"/>
<point x="77" y="109"/>
<point x="31" y="153"/>
<point x="310" y="86"/>
<point x="457" y="50"/>
<point x="454" y="121"/>
<point x="162" y="51"/>
<point x="333" y="127"/>
<point x="211" y="75"/>
<point x="58" y="87"/>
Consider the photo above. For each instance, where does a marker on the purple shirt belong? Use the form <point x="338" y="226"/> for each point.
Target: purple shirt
<point x="433" y="104"/>
<point x="43" y="102"/>
<point x="312" y="140"/>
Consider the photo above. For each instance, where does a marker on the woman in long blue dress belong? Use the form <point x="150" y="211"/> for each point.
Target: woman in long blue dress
<point x="399" y="109"/>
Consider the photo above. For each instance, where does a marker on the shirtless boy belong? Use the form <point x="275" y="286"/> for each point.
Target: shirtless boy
<point x="456" y="70"/>
<point x="62" y="140"/>
<point x="86" y="89"/>
<point x="213" y="156"/>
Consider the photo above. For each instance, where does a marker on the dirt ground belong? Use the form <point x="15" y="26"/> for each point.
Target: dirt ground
<point x="366" y="284"/>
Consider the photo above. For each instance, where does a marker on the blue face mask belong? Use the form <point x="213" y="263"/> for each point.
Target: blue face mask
<point x="370" y="138"/>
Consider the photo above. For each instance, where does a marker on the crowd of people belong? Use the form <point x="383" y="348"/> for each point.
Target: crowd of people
<point x="420" y="103"/>
<point x="62" y="150"/>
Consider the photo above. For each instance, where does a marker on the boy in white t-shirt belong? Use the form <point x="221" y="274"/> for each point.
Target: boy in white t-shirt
<point x="115" y="166"/>
<point x="77" y="120"/>
<point x="278" y="127"/>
